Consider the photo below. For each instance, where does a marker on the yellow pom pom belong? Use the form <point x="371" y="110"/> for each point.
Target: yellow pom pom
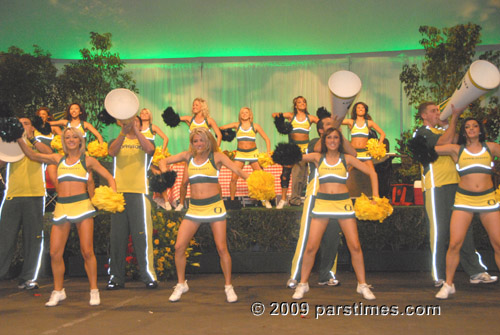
<point x="56" y="144"/>
<point x="375" y="149"/>
<point x="265" y="159"/>
<point x="229" y="154"/>
<point x="159" y="155"/>
<point x="96" y="149"/>
<point x="365" y="209"/>
<point x="261" y="185"/>
<point x="108" y="200"/>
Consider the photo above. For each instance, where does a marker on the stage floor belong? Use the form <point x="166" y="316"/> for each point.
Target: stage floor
<point x="474" y="309"/>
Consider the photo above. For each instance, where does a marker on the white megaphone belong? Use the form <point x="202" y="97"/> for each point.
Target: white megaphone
<point x="345" y="86"/>
<point x="121" y="103"/>
<point x="481" y="78"/>
<point x="10" y="152"/>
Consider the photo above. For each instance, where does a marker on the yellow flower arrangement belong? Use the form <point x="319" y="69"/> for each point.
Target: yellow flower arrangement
<point x="56" y="144"/>
<point x="95" y="149"/>
<point x="265" y="159"/>
<point x="365" y="209"/>
<point x="261" y="185"/>
<point x="375" y="149"/>
<point x="108" y="200"/>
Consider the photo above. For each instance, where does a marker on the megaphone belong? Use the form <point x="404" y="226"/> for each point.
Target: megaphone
<point x="121" y="103"/>
<point x="481" y="78"/>
<point x="345" y="86"/>
<point x="10" y="152"/>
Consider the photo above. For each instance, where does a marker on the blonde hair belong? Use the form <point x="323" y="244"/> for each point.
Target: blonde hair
<point x="78" y="134"/>
<point x="249" y="111"/>
<point x="204" y="107"/>
<point x="149" y="113"/>
<point x="206" y="136"/>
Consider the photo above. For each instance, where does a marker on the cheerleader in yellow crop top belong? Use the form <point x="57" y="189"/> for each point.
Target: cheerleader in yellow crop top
<point x="246" y="133"/>
<point x="73" y="206"/>
<point x="75" y="118"/>
<point x="206" y="204"/>
<point x="301" y="122"/>
<point x="360" y="124"/>
<point x="475" y="193"/>
<point x="332" y="201"/>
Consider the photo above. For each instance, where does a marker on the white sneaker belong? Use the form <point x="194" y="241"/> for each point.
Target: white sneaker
<point x="55" y="298"/>
<point x="230" y="294"/>
<point x="95" y="299"/>
<point x="301" y="289"/>
<point x="179" y="289"/>
<point x="179" y="207"/>
<point x="364" y="289"/>
<point x="281" y="204"/>
<point x="483" y="278"/>
<point x="291" y="283"/>
<point x="445" y="291"/>
<point x="267" y="204"/>
<point x="438" y="283"/>
<point x="167" y="206"/>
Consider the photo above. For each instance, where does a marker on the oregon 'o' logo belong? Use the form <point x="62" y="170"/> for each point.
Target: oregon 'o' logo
<point x="492" y="202"/>
<point x="218" y="210"/>
<point x="348" y="208"/>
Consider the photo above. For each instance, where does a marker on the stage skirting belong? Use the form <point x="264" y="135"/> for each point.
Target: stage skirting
<point x="225" y="179"/>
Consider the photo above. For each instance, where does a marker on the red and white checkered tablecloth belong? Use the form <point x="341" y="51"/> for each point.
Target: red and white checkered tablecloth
<point x="225" y="179"/>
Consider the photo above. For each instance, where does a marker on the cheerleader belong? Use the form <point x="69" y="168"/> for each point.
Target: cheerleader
<point x="475" y="194"/>
<point x="333" y="202"/>
<point x="73" y="206"/>
<point x="149" y="130"/>
<point x="360" y="125"/>
<point x="301" y="122"/>
<point x="246" y="133"/>
<point x="203" y="165"/>
<point x="75" y="117"/>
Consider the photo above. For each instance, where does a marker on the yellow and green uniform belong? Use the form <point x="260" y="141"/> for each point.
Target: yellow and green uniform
<point x="331" y="238"/>
<point x="45" y="139"/>
<point x="74" y="208"/>
<point x="335" y="206"/>
<point x="361" y="132"/>
<point x="476" y="202"/>
<point x="23" y="204"/>
<point x="80" y="127"/>
<point x="246" y="155"/>
<point x="193" y="124"/>
<point x="299" y="170"/>
<point x="210" y="209"/>
<point x="130" y="173"/>
<point x="439" y="182"/>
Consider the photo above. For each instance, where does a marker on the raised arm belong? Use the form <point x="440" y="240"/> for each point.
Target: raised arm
<point x="224" y="160"/>
<point x="146" y="145"/>
<point x="232" y="125"/>
<point x="59" y="123"/>
<point x="97" y="167"/>
<point x="494" y="148"/>
<point x="259" y="130"/>
<point x="218" y="134"/>
<point x="313" y="118"/>
<point x="356" y="163"/>
<point x="186" y="119"/>
<point x="94" y="131"/>
<point x="38" y="157"/>
<point x="348" y="122"/>
<point x="313" y="157"/>
<point x="181" y="157"/>
<point x="164" y="137"/>
<point x="450" y="136"/>
<point x="448" y="150"/>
